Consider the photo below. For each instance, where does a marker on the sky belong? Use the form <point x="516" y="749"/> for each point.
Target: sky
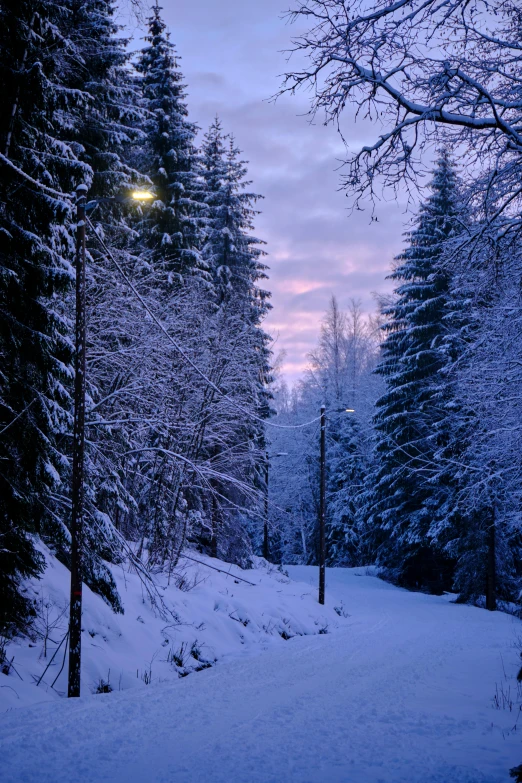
<point x="232" y="57"/>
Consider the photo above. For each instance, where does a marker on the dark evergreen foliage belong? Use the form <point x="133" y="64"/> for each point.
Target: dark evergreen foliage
<point x="347" y="467"/>
<point x="233" y="257"/>
<point x="405" y="499"/>
<point x="172" y="229"/>
<point x="35" y="252"/>
<point x="101" y="133"/>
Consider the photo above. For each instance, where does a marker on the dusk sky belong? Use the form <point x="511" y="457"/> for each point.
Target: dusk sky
<point x="232" y="60"/>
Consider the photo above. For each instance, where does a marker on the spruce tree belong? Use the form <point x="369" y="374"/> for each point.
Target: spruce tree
<point x="479" y="523"/>
<point x="170" y="273"/>
<point x="345" y="479"/>
<point x="36" y="248"/>
<point x="103" y="128"/>
<point x="167" y="155"/>
<point x="409" y="422"/>
<point x="97" y="70"/>
<point x="233" y="258"/>
<point x="216" y="193"/>
<point x="231" y="253"/>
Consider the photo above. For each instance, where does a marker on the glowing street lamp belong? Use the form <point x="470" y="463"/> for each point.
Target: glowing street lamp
<point x="142" y="195"/>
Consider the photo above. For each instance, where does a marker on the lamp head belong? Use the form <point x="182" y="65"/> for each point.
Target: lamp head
<point x="142" y="195"/>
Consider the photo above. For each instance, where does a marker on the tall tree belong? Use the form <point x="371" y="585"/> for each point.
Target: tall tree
<point x="233" y="257"/>
<point x="479" y="522"/>
<point x="347" y="468"/>
<point x="36" y="247"/>
<point x="172" y="231"/>
<point x="409" y="418"/>
<point x="104" y="126"/>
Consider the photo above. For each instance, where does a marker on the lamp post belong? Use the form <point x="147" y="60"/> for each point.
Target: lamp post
<point x="75" y="620"/>
<point x="268" y="457"/>
<point x="265" y="526"/>
<point x="77" y="495"/>
<point x="322" y="501"/>
<point x="322" y="508"/>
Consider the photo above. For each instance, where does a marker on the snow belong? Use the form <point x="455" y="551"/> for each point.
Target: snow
<point x="198" y="617"/>
<point x="400" y="692"/>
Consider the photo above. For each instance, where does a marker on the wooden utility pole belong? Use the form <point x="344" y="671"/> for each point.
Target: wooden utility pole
<point x="266" y="550"/>
<point x="322" y="510"/>
<point x="75" y="617"/>
<point x="75" y="621"/>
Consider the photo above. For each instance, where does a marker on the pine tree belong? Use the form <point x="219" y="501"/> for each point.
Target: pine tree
<point x="216" y="195"/>
<point x="170" y="274"/>
<point x="97" y="70"/>
<point x="36" y="247"/>
<point x="172" y="230"/>
<point x="479" y="523"/>
<point x="452" y="527"/>
<point x="345" y="479"/>
<point x="233" y="258"/>
<point x="409" y="418"/>
<point x="102" y="129"/>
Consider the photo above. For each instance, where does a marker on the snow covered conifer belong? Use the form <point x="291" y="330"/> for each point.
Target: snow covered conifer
<point x="409" y="421"/>
<point x="36" y="247"/>
<point x="216" y="194"/>
<point x="96" y="70"/>
<point x="231" y="252"/>
<point x="172" y="230"/>
<point x="233" y="258"/>
<point x="346" y="474"/>
<point x="479" y="525"/>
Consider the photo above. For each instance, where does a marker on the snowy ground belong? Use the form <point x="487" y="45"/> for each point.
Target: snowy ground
<point x="172" y="627"/>
<point x="401" y="692"/>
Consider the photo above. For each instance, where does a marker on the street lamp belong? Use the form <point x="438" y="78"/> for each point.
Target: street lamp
<point x="266" y="550"/>
<point x="322" y="501"/>
<point x="75" y="617"/>
<point x="142" y="195"/>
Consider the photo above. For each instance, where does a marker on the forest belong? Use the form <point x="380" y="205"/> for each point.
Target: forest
<point x="424" y="476"/>
<point x="193" y="438"/>
<point x="423" y="473"/>
<point x="168" y="461"/>
<point x="148" y="428"/>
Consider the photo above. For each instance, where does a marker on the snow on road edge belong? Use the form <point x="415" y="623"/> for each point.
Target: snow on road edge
<point x="208" y="617"/>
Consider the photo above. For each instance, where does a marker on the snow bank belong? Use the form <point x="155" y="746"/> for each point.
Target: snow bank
<point x="403" y="692"/>
<point x="170" y="629"/>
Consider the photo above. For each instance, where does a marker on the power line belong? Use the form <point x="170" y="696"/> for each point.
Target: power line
<point x="185" y="356"/>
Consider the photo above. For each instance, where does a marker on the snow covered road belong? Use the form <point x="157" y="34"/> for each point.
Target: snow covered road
<point x="401" y="694"/>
